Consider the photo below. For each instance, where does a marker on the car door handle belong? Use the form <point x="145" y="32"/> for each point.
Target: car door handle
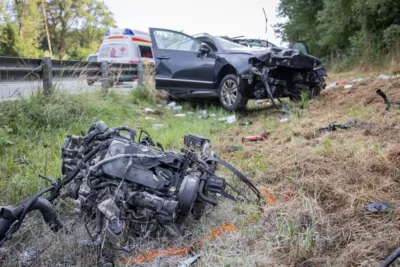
<point x="163" y="57"/>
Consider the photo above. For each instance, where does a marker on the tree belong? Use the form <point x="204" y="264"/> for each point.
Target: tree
<point x="76" y="28"/>
<point x="77" y="24"/>
<point x="360" y="28"/>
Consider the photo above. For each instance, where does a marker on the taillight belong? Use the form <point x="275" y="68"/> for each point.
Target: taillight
<point x="133" y="62"/>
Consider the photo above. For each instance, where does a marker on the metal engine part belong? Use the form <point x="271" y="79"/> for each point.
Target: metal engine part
<point x="137" y="187"/>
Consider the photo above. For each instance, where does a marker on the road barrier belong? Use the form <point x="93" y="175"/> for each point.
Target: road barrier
<point x="23" y="69"/>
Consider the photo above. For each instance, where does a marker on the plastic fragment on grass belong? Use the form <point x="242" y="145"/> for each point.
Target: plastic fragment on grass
<point x="261" y="101"/>
<point x="180" y="115"/>
<point x="149" y="111"/>
<point x="377" y="207"/>
<point x="158" y="126"/>
<point x="348" y="86"/>
<point x="357" y="80"/>
<point x="172" y="104"/>
<point x="229" y="119"/>
<point x="189" y="261"/>
<point x="383" y="77"/>
<point x="331" y="85"/>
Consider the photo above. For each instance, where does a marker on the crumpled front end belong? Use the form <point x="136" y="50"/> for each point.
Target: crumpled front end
<point x="278" y="72"/>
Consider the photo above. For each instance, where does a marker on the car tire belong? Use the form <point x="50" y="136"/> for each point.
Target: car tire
<point x="230" y="95"/>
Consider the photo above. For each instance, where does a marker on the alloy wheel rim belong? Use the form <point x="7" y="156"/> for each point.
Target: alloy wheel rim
<point x="229" y="92"/>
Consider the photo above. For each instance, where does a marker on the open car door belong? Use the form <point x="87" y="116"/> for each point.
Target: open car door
<point x="180" y="63"/>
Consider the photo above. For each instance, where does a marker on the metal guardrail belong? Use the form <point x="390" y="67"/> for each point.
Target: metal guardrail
<point x="22" y="69"/>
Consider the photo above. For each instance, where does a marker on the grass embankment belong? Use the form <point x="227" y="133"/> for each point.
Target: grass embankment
<point x="320" y="183"/>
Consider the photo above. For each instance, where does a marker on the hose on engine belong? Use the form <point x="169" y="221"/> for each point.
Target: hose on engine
<point x="392" y="258"/>
<point x="8" y="216"/>
<point x="41" y="204"/>
<point x="203" y="197"/>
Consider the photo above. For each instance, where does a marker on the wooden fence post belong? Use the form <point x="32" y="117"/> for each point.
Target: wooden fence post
<point x="140" y="72"/>
<point x="47" y="76"/>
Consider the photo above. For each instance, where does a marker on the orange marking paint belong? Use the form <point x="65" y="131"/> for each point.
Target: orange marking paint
<point x="171" y="252"/>
<point x="218" y="232"/>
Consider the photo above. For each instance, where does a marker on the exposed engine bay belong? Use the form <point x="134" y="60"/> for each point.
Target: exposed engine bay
<point x="125" y="188"/>
<point x="285" y="73"/>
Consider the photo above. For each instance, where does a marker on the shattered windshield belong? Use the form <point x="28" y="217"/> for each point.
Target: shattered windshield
<point x="226" y="45"/>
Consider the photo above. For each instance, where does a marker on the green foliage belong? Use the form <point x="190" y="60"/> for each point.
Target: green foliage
<point x="76" y="28"/>
<point x="364" y="31"/>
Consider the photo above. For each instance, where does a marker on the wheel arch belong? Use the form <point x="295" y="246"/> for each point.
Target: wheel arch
<point x="225" y="70"/>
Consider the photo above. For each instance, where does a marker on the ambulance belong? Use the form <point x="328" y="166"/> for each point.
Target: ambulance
<point x="123" y="45"/>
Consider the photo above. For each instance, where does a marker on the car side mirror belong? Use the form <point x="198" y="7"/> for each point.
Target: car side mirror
<point x="204" y="48"/>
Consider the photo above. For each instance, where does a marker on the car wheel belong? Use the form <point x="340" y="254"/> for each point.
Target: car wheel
<point x="230" y="96"/>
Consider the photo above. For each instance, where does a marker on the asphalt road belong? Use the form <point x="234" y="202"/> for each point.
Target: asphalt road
<point x="15" y="90"/>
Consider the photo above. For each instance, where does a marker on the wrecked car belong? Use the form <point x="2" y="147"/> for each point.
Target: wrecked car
<point x="211" y="67"/>
<point x="126" y="186"/>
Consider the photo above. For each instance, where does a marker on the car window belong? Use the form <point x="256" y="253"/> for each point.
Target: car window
<point x="208" y="42"/>
<point x="300" y="46"/>
<point x="225" y="44"/>
<point x="92" y="58"/>
<point x="114" y="50"/>
<point x="145" y="51"/>
<point x="175" y="41"/>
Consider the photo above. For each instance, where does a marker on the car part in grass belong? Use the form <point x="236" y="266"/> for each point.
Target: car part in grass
<point x="10" y="216"/>
<point x="383" y="95"/>
<point x="387" y="102"/>
<point x="252" y="138"/>
<point x="392" y="258"/>
<point x="125" y="187"/>
<point x="334" y="127"/>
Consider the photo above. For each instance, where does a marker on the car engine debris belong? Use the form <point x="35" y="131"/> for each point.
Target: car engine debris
<point x="125" y="188"/>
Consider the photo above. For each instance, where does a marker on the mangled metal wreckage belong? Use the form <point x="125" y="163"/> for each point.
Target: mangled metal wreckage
<point x="129" y="188"/>
<point x="285" y="73"/>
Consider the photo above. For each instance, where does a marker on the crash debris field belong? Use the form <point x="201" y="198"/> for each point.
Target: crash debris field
<point x="316" y="188"/>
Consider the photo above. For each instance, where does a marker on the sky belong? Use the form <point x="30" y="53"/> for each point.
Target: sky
<point x="217" y="17"/>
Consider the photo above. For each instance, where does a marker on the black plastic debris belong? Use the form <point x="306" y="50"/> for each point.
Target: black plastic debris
<point x="334" y="127"/>
<point x="377" y="207"/>
<point x="245" y="123"/>
<point x="232" y="148"/>
<point x="383" y="95"/>
<point x="387" y="102"/>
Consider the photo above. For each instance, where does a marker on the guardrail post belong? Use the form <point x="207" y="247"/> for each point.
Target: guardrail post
<point x="105" y="83"/>
<point x="47" y="75"/>
<point x="140" y="72"/>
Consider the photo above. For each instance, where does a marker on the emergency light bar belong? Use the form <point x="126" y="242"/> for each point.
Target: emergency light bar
<point x="124" y="32"/>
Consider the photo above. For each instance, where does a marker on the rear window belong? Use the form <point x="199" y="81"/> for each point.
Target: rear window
<point x="114" y="50"/>
<point x="145" y="51"/>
